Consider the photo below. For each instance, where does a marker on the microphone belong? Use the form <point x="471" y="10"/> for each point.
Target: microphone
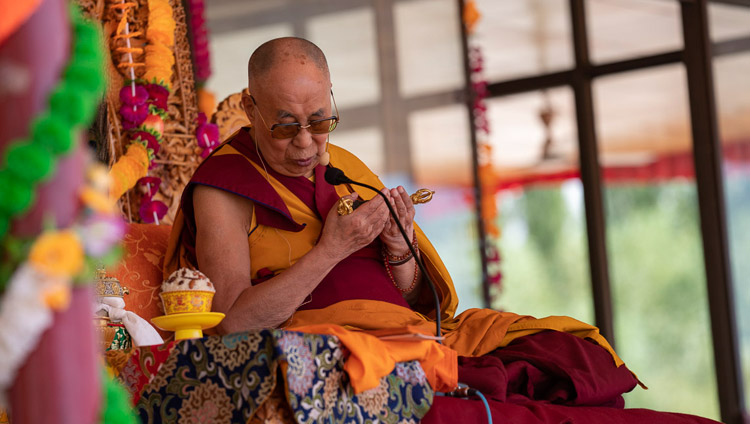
<point x="335" y="176"/>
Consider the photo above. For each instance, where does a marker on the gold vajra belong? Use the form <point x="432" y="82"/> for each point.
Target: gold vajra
<point x="345" y="206"/>
<point x="423" y="195"/>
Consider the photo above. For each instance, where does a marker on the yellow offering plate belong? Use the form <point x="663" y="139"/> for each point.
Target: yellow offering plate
<point x="189" y="325"/>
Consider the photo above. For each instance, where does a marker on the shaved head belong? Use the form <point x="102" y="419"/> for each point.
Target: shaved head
<point x="284" y="51"/>
<point x="290" y="85"/>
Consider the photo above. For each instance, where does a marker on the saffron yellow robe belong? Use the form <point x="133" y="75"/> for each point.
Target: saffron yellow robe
<point x="474" y="332"/>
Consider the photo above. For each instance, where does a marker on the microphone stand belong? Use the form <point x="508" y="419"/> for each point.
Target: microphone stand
<point x="435" y="296"/>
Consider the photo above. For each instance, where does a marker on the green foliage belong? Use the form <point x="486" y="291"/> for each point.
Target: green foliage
<point x="662" y="326"/>
<point x="545" y="257"/>
<point x="738" y="214"/>
<point x="545" y="212"/>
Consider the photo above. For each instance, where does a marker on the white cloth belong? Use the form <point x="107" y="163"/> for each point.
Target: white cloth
<point x="142" y="333"/>
<point x="23" y="318"/>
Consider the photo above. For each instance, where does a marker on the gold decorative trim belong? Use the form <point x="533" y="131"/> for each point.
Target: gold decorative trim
<point x="109" y="286"/>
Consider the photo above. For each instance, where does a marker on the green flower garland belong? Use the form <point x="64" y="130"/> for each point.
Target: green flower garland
<point x="28" y="162"/>
<point x="71" y="105"/>
<point x="116" y="407"/>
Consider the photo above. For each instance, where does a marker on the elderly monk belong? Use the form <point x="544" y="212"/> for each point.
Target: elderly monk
<point x="234" y="224"/>
<point x="259" y="219"/>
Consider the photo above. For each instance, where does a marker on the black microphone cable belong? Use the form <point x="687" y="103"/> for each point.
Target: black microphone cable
<point x="335" y="176"/>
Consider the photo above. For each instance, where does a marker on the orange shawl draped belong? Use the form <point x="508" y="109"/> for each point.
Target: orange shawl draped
<point x="474" y="332"/>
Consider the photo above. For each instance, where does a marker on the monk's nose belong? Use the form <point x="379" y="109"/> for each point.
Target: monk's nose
<point x="303" y="138"/>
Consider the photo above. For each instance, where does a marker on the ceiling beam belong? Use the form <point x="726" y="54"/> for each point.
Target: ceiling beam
<point x="561" y="78"/>
<point x="744" y="3"/>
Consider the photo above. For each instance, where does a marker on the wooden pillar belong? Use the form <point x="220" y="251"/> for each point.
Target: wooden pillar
<point x="591" y="175"/>
<point x="708" y="164"/>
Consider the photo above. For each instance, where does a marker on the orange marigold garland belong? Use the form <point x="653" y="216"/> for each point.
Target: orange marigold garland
<point x="131" y="167"/>
<point x="487" y="176"/>
<point x="48" y="266"/>
<point x="145" y="101"/>
<point x="160" y="34"/>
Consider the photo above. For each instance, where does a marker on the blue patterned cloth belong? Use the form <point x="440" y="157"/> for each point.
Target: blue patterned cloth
<point x="226" y="379"/>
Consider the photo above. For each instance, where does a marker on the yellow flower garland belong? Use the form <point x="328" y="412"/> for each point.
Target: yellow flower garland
<point x="96" y="200"/>
<point x="160" y="34"/>
<point x="159" y="60"/>
<point x="57" y="253"/>
<point x="131" y="167"/>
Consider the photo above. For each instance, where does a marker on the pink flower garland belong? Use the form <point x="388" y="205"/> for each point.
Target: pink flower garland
<point x="145" y="102"/>
<point x="151" y="211"/>
<point x="207" y="135"/>
<point x="199" y="41"/>
<point x="143" y="111"/>
<point x="487" y="177"/>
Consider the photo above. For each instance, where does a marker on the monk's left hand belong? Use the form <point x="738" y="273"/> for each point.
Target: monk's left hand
<point x="404" y="208"/>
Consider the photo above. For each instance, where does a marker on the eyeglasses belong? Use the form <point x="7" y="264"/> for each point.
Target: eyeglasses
<point x="318" y="126"/>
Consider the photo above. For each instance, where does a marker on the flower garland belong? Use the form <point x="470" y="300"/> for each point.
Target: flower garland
<point x="199" y="41"/>
<point x="117" y="409"/>
<point x="207" y="135"/>
<point x="201" y="56"/>
<point x="135" y="162"/>
<point x="487" y="177"/>
<point x="130" y="167"/>
<point x="160" y="35"/>
<point x="145" y="103"/>
<point x="58" y="258"/>
<point x="151" y="211"/>
<point x="27" y="163"/>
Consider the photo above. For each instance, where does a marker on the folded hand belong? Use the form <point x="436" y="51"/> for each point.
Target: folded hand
<point x="344" y="235"/>
<point x="404" y="208"/>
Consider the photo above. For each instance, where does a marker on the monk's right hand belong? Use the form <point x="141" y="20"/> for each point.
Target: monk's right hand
<point x="344" y="235"/>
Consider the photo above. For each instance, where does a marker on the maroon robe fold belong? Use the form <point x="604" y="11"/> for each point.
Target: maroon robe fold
<point x="360" y="276"/>
<point x="548" y="377"/>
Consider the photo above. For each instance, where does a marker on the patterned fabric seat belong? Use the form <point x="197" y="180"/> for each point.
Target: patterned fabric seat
<point x="235" y="378"/>
<point x="266" y="376"/>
